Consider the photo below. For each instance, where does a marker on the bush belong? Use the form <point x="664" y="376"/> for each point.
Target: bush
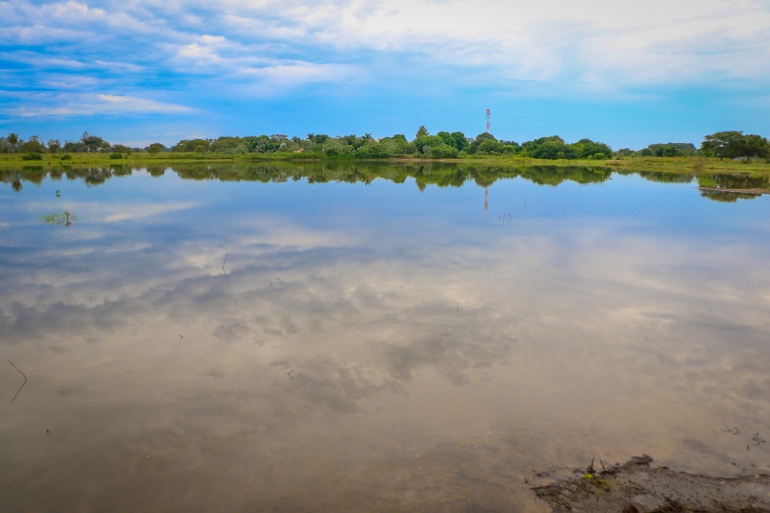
<point x="66" y="156"/>
<point x="32" y="156"/>
<point x="116" y="155"/>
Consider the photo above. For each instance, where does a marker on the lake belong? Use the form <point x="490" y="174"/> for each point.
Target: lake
<point x="363" y="337"/>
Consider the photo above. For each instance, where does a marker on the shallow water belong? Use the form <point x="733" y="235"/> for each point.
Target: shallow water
<point x="313" y="339"/>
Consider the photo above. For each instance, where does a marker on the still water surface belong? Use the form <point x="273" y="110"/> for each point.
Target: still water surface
<point x="304" y="339"/>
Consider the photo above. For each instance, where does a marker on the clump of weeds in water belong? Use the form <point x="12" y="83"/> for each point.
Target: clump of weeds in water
<point x="65" y="218"/>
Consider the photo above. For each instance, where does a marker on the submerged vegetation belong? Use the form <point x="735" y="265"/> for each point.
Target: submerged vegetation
<point x="65" y="218"/>
<point x="424" y="145"/>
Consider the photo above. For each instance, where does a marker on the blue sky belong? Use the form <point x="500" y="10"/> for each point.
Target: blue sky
<point x="625" y="73"/>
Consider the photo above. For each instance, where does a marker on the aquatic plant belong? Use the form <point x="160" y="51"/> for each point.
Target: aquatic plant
<point x="65" y="218"/>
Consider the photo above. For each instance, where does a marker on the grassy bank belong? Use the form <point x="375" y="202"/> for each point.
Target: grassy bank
<point x="665" y="164"/>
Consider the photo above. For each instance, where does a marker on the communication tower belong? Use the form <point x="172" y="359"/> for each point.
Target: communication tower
<point x="489" y="112"/>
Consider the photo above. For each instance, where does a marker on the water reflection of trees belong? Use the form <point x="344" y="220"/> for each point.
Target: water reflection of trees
<point x="424" y="174"/>
<point x="89" y="175"/>
<point x="731" y="181"/>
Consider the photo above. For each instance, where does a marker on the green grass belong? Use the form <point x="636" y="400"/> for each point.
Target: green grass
<point x="695" y="165"/>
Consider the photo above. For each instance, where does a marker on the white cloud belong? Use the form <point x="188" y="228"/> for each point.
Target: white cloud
<point x="140" y="211"/>
<point x="217" y="55"/>
<point x="598" y="45"/>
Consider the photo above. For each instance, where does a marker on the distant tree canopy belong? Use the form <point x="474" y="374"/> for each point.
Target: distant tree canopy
<point x="669" y="150"/>
<point x="54" y="146"/>
<point x="33" y="145"/>
<point x="121" y="149"/>
<point x="443" y="144"/>
<point x="732" y="144"/>
<point x="155" y="148"/>
<point x="555" y="147"/>
<point x="94" y="143"/>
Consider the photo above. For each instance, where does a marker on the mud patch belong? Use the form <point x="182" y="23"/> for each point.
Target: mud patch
<point x="636" y="486"/>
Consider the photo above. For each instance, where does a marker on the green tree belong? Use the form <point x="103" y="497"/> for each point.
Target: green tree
<point x="421" y="132"/>
<point x="74" y="147"/>
<point x="456" y="140"/>
<point x="586" y="148"/>
<point x="54" y="146"/>
<point x="13" y="140"/>
<point x="93" y="143"/>
<point x="317" y="139"/>
<point x="33" y="145"/>
<point x="668" y="150"/>
<point x="155" y="148"/>
<point x="553" y="149"/>
<point x="530" y="147"/>
<point x="723" y="144"/>
<point x="489" y="147"/>
<point x="190" y="145"/>
<point x="756" y="146"/>
<point x="461" y="142"/>
<point x="123" y="150"/>
<point x="478" y="140"/>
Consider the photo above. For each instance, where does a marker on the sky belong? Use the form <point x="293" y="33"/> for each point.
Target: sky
<point x="625" y="73"/>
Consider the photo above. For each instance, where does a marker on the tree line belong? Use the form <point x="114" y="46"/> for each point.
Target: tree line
<point x="729" y="144"/>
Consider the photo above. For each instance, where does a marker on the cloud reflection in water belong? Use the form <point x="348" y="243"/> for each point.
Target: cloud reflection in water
<point x="366" y="336"/>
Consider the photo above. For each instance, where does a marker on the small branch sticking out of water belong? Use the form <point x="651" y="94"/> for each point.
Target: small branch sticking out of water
<point x="223" y="268"/>
<point x="289" y="373"/>
<point x="22" y="385"/>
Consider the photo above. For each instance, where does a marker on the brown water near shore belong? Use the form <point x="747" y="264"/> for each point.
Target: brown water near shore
<point x="288" y="346"/>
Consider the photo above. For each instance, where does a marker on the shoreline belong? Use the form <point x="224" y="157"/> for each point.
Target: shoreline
<point x="638" y="487"/>
<point x="665" y="164"/>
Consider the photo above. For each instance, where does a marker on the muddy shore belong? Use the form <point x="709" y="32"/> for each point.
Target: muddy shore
<point x="640" y="486"/>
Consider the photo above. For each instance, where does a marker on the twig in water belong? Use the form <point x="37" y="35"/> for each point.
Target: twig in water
<point x="289" y="373"/>
<point x="271" y="285"/>
<point x="734" y="430"/>
<point x="22" y="385"/>
<point x="756" y="439"/>
<point x="180" y="337"/>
